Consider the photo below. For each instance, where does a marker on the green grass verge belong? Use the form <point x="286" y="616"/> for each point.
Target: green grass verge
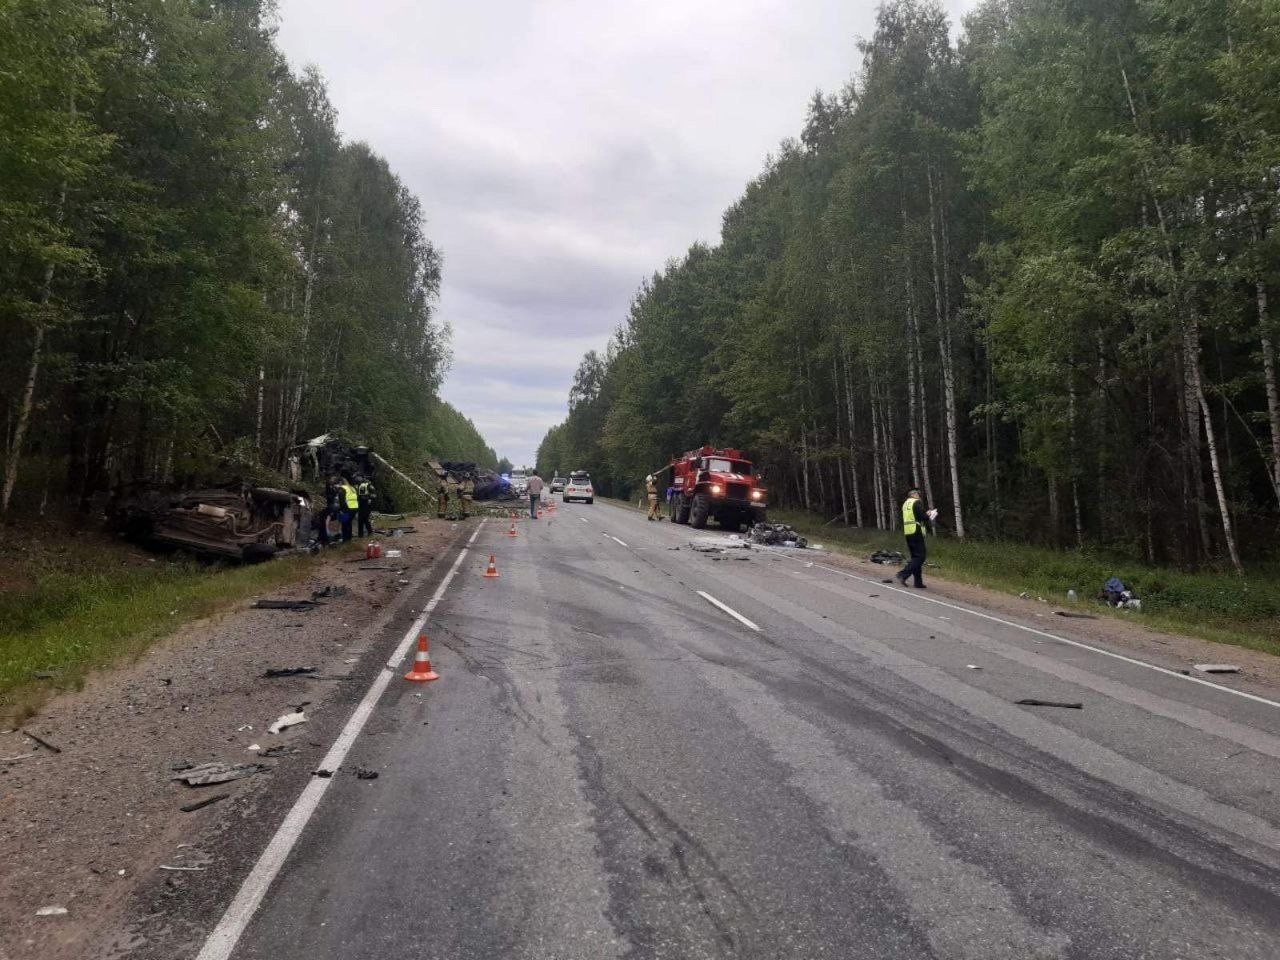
<point x="85" y="608"/>
<point x="1217" y="606"/>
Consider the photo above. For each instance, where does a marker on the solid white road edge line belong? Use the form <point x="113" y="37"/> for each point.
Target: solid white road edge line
<point x="1051" y="636"/>
<point x="222" y="941"/>
<point x="728" y="609"/>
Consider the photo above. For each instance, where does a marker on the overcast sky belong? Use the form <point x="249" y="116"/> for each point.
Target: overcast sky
<point x="564" y="150"/>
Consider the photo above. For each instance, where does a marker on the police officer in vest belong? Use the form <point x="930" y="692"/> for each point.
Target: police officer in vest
<point x="349" y="502"/>
<point x="915" y="521"/>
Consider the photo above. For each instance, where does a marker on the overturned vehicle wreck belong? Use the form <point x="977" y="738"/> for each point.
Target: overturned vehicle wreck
<point x="236" y="521"/>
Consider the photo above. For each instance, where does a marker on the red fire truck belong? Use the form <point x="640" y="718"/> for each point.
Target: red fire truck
<point x="714" y="482"/>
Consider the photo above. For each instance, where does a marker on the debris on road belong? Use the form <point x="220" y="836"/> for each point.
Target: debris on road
<point x="285" y="604"/>
<point x="1217" y="668"/>
<point x="363" y="774"/>
<point x="165" y="866"/>
<point x="287" y="672"/>
<point x="329" y="591"/>
<point x="201" y="804"/>
<point x="776" y="535"/>
<point x="286" y="721"/>
<point x="887" y="557"/>
<point x="1032" y="702"/>
<point x="51" y="912"/>
<point x="1116" y="593"/>
<point x="207" y="774"/>
<point x="326" y="774"/>
<point x="20" y="756"/>
<point x="1075" y="616"/>
<point x="40" y="740"/>
<point x="973" y="666"/>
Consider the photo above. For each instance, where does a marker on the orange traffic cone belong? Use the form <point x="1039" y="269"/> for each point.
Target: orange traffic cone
<point x="539" y="513"/>
<point x="422" y="671"/>
<point x="512" y="531"/>
<point x="492" y="572"/>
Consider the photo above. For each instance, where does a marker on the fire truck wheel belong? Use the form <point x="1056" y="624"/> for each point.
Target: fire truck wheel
<point x="700" y="510"/>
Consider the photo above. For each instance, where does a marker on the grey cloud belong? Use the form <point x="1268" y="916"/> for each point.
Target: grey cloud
<point x="564" y="150"/>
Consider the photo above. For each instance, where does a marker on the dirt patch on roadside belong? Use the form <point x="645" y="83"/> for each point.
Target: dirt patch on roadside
<point x="1260" y="672"/>
<point x="88" y="828"/>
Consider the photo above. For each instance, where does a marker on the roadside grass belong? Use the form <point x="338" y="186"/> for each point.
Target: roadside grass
<point x="1216" y="606"/>
<point x="85" y="606"/>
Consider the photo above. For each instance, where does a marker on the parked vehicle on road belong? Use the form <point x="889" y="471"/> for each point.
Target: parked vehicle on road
<point x="557" y="484"/>
<point x="579" y="487"/>
<point x="711" y="482"/>
<point x="520" y="482"/>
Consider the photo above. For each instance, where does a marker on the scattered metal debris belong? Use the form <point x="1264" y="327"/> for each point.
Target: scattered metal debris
<point x="777" y="535"/>
<point x="973" y="666"/>
<point x="326" y="774"/>
<point x="40" y="740"/>
<point x="165" y="866"/>
<point x="1075" y="616"/>
<point x="887" y="557"/>
<point x="51" y="912"/>
<point x="207" y="774"/>
<point x="287" y="672"/>
<point x="286" y="721"/>
<point x="284" y="604"/>
<point x="1032" y="702"/>
<point x="201" y="804"/>
<point x="364" y="774"/>
<point x="279" y="750"/>
<point x="329" y="591"/>
<point x="1217" y="668"/>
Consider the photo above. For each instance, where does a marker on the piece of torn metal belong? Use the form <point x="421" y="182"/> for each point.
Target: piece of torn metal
<point x="207" y="774"/>
<point x="287" y="672"/>
<point x="1217" y="668"/>
<point x="1075" y="616"/>
<point x="40" y="740"/>
<point x="286" y="721"/>
<point x="329" y="591"/>
<point x="365" y="774"/>
<point x="51" y="912"/>
<point x="165" y="866"/>
<point x="201" y="804"/>
<point x="1065" y="704"/>
<point x="285" y="604"/>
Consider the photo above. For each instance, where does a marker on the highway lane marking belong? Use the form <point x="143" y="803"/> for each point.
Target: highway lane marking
<point x="728" y="609"/>
<point x="222" y="941"/>
<point x="615" y="539"/>
<point x="1053" y="636"/>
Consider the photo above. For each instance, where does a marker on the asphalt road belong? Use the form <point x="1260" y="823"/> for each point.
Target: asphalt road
<point x="613" y="766"/>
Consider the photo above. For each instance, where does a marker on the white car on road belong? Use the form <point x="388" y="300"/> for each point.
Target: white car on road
<point x="579" y="487"/>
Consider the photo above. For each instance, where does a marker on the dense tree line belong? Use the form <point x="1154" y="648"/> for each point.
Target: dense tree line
<point x="193" y="263"/>
<point x="1034" y="270"/>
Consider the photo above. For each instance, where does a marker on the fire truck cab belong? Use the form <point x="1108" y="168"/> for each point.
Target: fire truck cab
<point x="715" y="482"/>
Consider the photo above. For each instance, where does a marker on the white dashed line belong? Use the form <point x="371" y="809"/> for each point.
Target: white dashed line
<point x="1054" y="636"/>
<point x="615" y="539"/>
<point x="728" y="609"/>
<point x="222" y="941"/>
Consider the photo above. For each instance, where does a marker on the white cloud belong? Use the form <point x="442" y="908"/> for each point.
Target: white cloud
<point x="564" y="150"/>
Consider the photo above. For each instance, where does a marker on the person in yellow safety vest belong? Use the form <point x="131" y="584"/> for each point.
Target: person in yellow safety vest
<point x="651" y="488"/>
<point x="442" y="497"/>
<point x="915" y="521"/>
<point x="349" y="506"/>
<point x="467" y="490"/>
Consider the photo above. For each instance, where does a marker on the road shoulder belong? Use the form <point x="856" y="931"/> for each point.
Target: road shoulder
<point x="89" y="829"/>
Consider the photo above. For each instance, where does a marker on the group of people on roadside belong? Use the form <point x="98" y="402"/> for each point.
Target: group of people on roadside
<point x="346" y="501"/>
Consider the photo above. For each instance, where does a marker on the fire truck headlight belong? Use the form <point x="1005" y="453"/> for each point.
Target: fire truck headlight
<point x="716" y="488"/>
<point x="757" y="494"/>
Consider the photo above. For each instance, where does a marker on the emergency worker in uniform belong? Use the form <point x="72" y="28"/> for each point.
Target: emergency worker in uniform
<point x="349" y="506"/>
<point x="651" y="489"/>
<point x="367" y="494"/>
<point x="453" y="493"/>
<point x="331" y="509"/>
<point x="915" y="521"/>
<point x="468" y="490"/>
<point x="442" y="496"/>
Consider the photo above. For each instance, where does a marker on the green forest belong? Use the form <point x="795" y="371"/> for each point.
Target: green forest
<point x="1028" y="261"/>
<point x="195" y="267"/>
